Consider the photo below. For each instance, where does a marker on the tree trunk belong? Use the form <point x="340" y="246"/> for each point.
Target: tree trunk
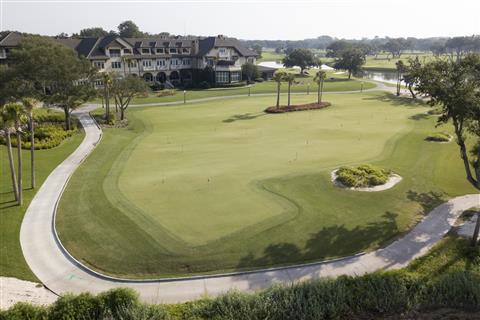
<point x="318" y="94"/>
<point x="321" y="90"/>
<point x="107" y="103"/>
<point x="20" y="182"/>
<point x="398" y="84"/>
<point x="476" y="231"/>
<point x="477" y="168"/>
<point x="67" y="118"/>
<point x="122" y="113"/>
<point x="349" y="74"/>
<point x="12" y="164"/>
<point x="414" y="96"/>
<point x="464" y="156"/>
<point x="289" y="86"/>
<point x="32" y="151"/>
<point x="278" y="95"/>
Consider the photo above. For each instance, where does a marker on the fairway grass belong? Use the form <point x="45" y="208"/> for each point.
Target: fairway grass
<point x="221" y="186"/>
<point x="12" y="262"/>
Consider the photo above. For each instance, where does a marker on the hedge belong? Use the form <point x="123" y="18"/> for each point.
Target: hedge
<point x="369" y="296"/>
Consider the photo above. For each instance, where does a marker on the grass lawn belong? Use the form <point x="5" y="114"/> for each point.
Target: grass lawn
<point x="221" y="186"/>
<point x="12" y="263"/>
<point x="269" y="54"/>
<point x="382" y="61"/>
<point x="338" y="83"/>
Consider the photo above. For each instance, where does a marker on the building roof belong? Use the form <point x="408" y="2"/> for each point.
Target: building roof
<point x="94" y="48"/>
<point x="266" y="69"/>
<point x="207" y="44"/>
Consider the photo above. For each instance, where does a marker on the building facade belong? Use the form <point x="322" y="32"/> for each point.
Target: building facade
<point x="168" y="60"/>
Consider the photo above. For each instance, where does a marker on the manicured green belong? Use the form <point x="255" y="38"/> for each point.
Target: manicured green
<point x="386" y="62"/>
<point x="334" y="82"/>
<point x="269" y="54"/>
<point x="362" y="176"/>
<point x="222" y="186"/>
<point x="12" y="263"/>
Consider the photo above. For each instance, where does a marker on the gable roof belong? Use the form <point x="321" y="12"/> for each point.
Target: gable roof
<point x="207" y="44"/>
<point x="10" y="39"/>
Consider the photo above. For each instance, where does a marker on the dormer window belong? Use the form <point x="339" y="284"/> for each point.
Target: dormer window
<point x="127" y="51"/>
<point x="145" y="51"/>
<point x="160" y="51"/>
<point x="173" y="50"/>
<point x="114" y="52"/>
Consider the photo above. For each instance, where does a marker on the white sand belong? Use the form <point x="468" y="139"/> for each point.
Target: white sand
<point x="392" y="181"/>
<point x="13" y="290"/>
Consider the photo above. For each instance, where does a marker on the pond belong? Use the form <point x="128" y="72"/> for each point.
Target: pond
<point x="385" y="76"/>
<point x="278" y="65"/>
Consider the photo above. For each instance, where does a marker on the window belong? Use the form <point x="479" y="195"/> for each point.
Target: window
<point x="145" y="51"/>
<point x="116" y="65"/>
<point x="222" y="50"/>
<point x="161" y="63"/>
<point x="221" y="77"/>
<point x="147" y="63"/>
<point x="127" y="51"/>
<point x="98" y="83"/>
<point x="174" y="62"/>
<point x="235" y="76"/>
<point x="132" y="64"/>
<point x="250" y="60"/>
<point x="99" y="64"/>
<point x="114" y="52"/>
<point x="186" y="62"/>
<point x="210" y="62"/>
<point x="3" y="54"/>
<point x="173" y="50"/>
<point x="160" y="50"/>
<point x="185" y="50"/>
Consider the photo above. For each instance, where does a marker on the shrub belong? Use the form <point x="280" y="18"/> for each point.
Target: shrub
<point x="22" y="311"/>
<point x="47" y="136"/>
<point x="156" y="86"/>
<point x="439" y="137"/>
<point x="82" y="306"/>
<point x="259" y="79"/>
<point x="166" y="92"/>
<point x="117" y="301"/>
<point x="231" y="85"/>
<point x="362" y="176"/>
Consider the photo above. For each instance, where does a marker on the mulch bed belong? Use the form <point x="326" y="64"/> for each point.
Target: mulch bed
<point x="300" y="107"/>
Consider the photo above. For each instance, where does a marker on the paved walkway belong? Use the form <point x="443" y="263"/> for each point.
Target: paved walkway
<point x="61" y="273"/>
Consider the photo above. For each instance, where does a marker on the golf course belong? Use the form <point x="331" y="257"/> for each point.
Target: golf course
<point x="222" y="186"/>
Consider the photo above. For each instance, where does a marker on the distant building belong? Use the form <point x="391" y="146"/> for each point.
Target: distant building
<point x="169" y="60"/>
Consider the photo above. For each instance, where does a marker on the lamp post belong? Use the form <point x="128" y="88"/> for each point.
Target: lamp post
<point x="249" y="87"/>
<point x="184" y="96"/>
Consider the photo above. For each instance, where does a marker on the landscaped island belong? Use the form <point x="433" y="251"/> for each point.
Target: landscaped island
<point x="300" y="107"/>
<point x="365" y="177"/>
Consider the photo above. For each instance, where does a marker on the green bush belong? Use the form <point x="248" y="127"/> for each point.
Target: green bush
<point x="82" y="306"/>
<point x="439" y="137"/>
<point x="362" y="176"/>
<point x="44" y="115"/>
<point x="23" y="311"/>
<point x="166" y="92"/>
<point x="47" y="136"/>
<point x="117" y="301"/>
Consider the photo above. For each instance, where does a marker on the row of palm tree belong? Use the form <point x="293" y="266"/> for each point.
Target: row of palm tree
<point x="13" y="116"/>
<point x="283" y="76"/>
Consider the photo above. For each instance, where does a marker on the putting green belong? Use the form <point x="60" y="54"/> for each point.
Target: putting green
<point x="222" y="186"/>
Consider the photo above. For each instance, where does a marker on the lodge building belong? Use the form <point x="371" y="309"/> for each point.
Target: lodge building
<point x="163" y="59"/>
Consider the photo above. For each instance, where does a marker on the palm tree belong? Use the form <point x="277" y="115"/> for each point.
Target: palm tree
<point x="290" y="78"/>
<point x="29" y="104"/>
<point x="400" y="66"/>
<point x="15" y="110"/>
<point x="107" y="81"/>
<point x="7" y="120"/>
<point x="319" y="79"/>
<point x="278" y="77"/>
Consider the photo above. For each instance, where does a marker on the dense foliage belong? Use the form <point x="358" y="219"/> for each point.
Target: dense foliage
<point x="439" y="137"/>
<point x="362" y="176"/>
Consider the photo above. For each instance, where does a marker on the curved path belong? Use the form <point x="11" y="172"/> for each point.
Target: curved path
<point x="61" y="273"/>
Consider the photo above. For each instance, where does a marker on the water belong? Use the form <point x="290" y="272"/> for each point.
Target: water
<point x="278" y="65"/>
<point x="385" y="76"/>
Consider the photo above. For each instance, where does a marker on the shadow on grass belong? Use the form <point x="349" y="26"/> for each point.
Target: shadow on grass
<point x="428" y="200"/>
<point x="245" y="116"/>
<point x="334" y="241"/>
<point x="396" y="101"/>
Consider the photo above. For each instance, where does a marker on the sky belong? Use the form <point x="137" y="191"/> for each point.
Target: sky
<point x="249" y="19"/>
